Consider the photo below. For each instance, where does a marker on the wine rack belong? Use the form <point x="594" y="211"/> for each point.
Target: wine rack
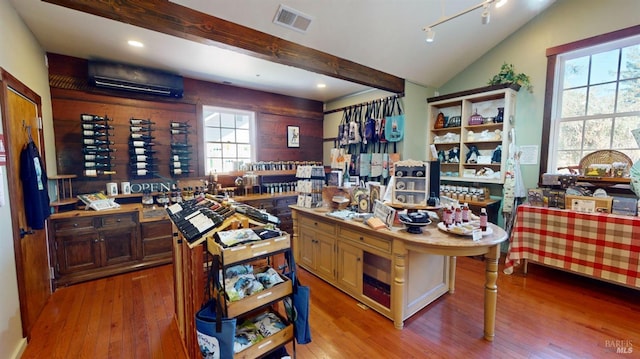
<point x="180" y="149"/>
<point x="96" y="145"/>
<point x="141" y="153"/>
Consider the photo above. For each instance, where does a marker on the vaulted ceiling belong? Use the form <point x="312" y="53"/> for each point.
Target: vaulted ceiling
<point x="350" y="46"/>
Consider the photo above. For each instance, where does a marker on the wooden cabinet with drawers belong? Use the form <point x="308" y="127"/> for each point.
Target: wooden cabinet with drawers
<point x="92" y="244"/>
<point x="367" y="264"/>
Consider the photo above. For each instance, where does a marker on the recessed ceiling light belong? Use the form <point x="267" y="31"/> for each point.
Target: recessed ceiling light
<point x="321" y="86"/>
<point x="135" y="43"/>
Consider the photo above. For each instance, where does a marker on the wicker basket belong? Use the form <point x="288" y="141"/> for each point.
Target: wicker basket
<point x="606" y="157"/>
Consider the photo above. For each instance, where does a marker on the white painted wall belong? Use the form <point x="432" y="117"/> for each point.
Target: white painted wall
<point x="23" y="58"/>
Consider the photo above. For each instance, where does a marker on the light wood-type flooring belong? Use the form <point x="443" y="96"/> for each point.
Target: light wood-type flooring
<point x="547" y="314"/>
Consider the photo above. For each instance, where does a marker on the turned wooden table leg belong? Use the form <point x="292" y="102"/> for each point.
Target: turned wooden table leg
<point x="399" y="275"/>
<point x="491" y="292"/>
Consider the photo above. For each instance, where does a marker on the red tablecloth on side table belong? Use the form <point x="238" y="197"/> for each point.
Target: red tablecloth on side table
<point x="604" y="246"/>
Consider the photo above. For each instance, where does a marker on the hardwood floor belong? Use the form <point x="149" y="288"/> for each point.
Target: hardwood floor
<point x="547" y="314"/>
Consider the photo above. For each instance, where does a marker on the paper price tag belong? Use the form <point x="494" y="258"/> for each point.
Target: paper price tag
<point x="476" y="234"/>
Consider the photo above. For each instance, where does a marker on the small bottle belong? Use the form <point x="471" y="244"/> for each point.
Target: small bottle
<point x="92" y="150"/>
<point x="96" y="165"/>
<point x="141" y="136"/>
<point x="97" y="157"/>
<point x="179" y="131"/>
<point x="483" y="219"/>
<point x="95" y="173"/>
<point x="465" y="212"/>
<point x="179" y="125"/>
<point x="138" y="143"/>
<point x="448" y="216"/>
<point x="94" y="133"/>
<point x="457" y="216"/>
<point x="96" y="126"/>
<point x="93" y="118"/>
<point x="92" y="141"/>
<point x="136" y="121"/>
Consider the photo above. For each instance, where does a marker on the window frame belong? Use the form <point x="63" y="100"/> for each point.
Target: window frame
<point x="236" y="111"/>
<point x="552" y="79"/>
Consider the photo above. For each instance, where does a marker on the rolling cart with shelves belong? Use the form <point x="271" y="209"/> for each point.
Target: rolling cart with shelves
<point x="267" y="300"/>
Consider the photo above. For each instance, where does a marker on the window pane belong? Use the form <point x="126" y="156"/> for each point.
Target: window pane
<point x="630" y="62"/>
<point x="576" y="72"/>
<point x="574" y="102"/>
<point x="228" y="166"/>
<point x="601" y="99"/>
<point x="597" y="134"/>
<point x="228" y="120"/>
<point x="214" y="150"/>
<point x="229" y="150"/>
<point x="212" y="134"/>
<point x="242" y="121"/>
<point x="212" y="119"/>
<point x="629" y="96"/>
<point x="228" y="135"/>
<point x="634" y="155"/>
<point x="242" y="136"/>
<point x="569" y="158"/>
<point x="570" y="135"/>
<point x="244" y="151"/>
<point x="604" y="67"/>
<point x="213" y="165"/>
<point x="622" y="132"/>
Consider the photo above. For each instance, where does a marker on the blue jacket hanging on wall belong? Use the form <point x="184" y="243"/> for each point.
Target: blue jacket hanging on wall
<point x="34" y="186"/>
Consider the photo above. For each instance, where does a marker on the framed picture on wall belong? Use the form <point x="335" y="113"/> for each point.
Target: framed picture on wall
<point x="293" y="136"/>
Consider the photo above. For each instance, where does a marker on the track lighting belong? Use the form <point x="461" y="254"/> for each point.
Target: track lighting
<point x="430" y="35"/>
<point x="486" y="16"/>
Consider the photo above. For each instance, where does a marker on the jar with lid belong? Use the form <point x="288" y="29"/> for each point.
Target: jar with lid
<point x="147" y="198"/>
<point x="163" y="198"/>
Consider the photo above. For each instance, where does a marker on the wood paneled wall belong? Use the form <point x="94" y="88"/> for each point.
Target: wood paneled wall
<point x="71" y="95"/>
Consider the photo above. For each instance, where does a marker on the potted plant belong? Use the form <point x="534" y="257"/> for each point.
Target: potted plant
<point x="507" y="75"/>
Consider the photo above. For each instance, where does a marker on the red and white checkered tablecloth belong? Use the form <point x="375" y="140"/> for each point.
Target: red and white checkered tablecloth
<point x="603" y="246"/>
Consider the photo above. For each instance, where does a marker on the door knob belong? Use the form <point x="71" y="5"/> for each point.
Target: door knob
<point x="24" y="233"/>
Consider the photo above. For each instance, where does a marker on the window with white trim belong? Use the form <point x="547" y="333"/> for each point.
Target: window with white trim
<point x="596" y="102"/>
<point x="228" y="138"/>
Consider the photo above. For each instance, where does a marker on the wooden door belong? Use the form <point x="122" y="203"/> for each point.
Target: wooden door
<point x="21" y="112"/>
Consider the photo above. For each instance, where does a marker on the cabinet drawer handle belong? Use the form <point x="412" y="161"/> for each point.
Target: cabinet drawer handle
<point x="75" y="225"/>
<point x="96" y="240"/>
<point x="119" y="220"/>
<point x="361" y="238"/>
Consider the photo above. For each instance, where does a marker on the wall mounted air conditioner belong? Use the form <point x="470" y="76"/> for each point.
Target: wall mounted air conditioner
<point x="124" y="77"/>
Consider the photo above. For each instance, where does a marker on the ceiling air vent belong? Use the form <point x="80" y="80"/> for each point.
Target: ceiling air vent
<point x="292" y="19"/>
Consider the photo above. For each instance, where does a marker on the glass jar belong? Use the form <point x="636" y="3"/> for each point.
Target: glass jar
<point x="147" y="198"/>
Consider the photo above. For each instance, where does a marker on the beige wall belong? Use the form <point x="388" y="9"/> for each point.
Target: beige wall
<point x="563" y="22"/>
<point x="23" y="58"/>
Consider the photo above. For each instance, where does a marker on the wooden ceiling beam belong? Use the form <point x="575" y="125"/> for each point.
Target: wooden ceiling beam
<point x="177" y="20"/>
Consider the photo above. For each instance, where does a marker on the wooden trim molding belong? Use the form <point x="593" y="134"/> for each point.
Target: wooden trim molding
<point x="177" y="20"/>
<point x="552" y="57"/>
